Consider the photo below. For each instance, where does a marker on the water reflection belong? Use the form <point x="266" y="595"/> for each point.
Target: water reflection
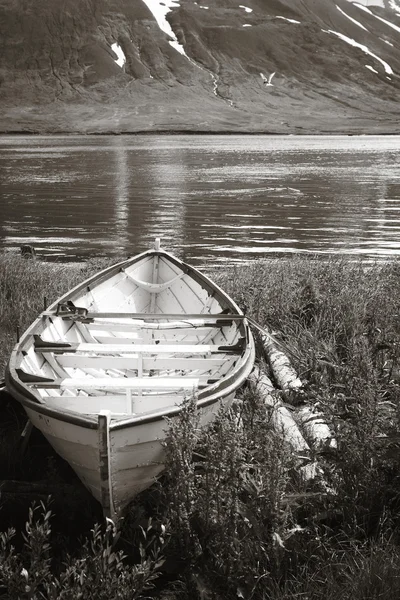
<point x="211" y="199"/>
<point x="168" y="177"/>
<point x="122" y="195"/>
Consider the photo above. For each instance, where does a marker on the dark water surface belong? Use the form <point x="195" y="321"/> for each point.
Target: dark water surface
<point x="212" y="199"/>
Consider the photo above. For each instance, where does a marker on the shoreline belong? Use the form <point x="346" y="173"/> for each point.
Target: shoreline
<point x="190" y="132"/>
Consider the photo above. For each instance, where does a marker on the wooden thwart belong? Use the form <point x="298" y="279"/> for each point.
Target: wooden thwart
<point x="76" y="361"/>
<point x="106" y="383"/>
<point x="181" y="327"/>
<point x="112" y="339"/>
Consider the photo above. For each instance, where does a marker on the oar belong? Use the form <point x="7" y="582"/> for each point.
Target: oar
<point x="269" y="335"/>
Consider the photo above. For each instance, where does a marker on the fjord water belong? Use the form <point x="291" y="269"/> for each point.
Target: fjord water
<point x="213" y="199"/>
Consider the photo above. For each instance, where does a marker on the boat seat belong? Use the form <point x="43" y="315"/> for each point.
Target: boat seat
<point x="128" y="383"/>
<point x="44" y="346"/>
<point x="77" y="361"/>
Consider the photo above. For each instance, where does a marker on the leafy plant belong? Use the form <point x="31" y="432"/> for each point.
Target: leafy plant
<point x="98" y="572"/>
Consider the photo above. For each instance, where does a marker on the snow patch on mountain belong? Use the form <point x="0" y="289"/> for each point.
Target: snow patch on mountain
<point x="289" y="20"/>
<point x="371" y="69"/>
<point x="160" y="9"/>
<point x="351" y="18"/>
<point x="394" y="5"/>
<point x="364" y="8"/>
<point x="388" y="68"/>
<point x="246" y="8"/>
<point x="375" y="2"/>
<point x="121" y="60"/>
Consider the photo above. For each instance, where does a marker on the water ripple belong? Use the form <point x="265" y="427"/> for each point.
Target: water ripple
<point x="212" y="199"/>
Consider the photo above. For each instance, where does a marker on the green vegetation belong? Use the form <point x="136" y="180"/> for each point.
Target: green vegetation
<point x="232" y="518"/>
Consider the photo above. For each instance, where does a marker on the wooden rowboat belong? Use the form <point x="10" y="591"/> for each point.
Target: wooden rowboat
<point x="101" y="368"/>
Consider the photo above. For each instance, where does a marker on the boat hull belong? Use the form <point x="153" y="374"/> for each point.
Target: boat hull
<point x="136" y="452"/>
<point x="103" y="369"/>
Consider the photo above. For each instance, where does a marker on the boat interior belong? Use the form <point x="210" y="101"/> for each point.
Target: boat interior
<point x="138" y="338"/>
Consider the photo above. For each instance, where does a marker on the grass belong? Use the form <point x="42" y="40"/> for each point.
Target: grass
<point x="241" y="523"/>
<point x="26" y="285"/>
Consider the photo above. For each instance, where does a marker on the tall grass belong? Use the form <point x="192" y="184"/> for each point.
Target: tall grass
<point x="243" y="523"/>
<point x="249" y="527"/>
<point x="340" y="320"/>
<point x="246" y="526"/>
<point x="26" y="285"/>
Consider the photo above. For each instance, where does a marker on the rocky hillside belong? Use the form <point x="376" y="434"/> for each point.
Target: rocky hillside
<point x="279" y="66"/>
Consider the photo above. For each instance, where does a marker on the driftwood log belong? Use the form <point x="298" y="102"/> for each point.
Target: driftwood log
<point x="284" y="374"/>
<point x="283" y="422"/>
<point x="311" y="420"/>
<point x="316" y="430"/>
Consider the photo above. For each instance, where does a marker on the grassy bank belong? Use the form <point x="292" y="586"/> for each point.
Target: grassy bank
<point x="232" y="518"/>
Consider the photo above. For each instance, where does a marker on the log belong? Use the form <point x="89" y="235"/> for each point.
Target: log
<point x="317" y="431"/>
<point x="283" y="422"/>
<point x="284" y="374"/>
<point x="310" y="420"/>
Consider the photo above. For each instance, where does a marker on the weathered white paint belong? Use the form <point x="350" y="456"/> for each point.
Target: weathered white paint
<point x="134" y="369"/>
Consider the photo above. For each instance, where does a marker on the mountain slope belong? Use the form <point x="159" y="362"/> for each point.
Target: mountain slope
<point x="134" y="65"/>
